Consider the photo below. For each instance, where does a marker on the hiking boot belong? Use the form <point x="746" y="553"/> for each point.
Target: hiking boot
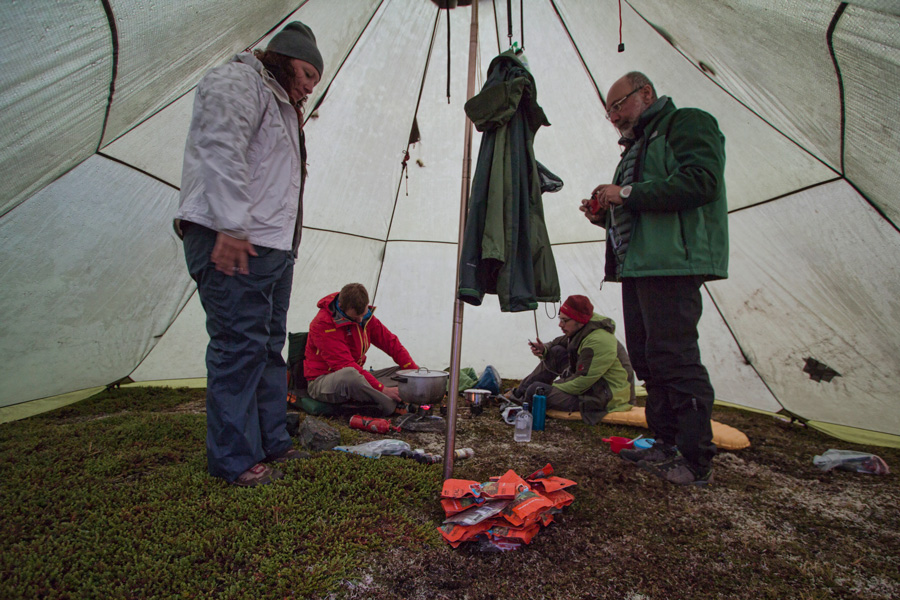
<point x="289" y="454"/>
<point x="258" y="474"/>
<point x="658" y="452"/>
<point x="677" y="471"/>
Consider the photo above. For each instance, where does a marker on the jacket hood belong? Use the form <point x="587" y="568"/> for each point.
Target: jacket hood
<point x="250" y="60"/>
<point x="597" y="322"/>
<point x="329" y="304"/>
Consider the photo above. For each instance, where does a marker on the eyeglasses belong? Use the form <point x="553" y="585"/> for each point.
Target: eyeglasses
<point x="617" y="106"/>
<point x="564" y="320"/>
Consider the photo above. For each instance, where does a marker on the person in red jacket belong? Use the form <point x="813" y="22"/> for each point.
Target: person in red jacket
<point x="339" y="336"/>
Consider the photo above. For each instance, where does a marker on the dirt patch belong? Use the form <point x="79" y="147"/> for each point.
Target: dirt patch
<point x="194" y="407"/>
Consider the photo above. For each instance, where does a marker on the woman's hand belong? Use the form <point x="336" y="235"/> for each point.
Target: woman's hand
<point x="230" y="255"/>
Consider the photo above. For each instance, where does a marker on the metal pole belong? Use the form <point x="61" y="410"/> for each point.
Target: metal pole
<point x="456" y="341"/>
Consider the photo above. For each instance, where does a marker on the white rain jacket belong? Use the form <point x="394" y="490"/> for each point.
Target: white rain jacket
<point x="242" y="159"/>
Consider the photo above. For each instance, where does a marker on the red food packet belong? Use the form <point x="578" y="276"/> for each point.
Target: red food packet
<point x="551" y="484"/>
<point x="545" y="471"/>
<point x="458" y="488"/>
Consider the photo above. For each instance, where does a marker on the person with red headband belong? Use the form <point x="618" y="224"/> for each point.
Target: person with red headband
<point x="586" y="369"/>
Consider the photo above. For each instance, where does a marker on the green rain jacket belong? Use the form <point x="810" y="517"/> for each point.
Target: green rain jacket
<point x="678" y="199"/>
<point x="599" y="372"/>
<point x="506" y="249"/>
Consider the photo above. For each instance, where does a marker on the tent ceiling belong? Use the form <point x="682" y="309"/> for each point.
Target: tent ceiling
<point x="95" y="276"/>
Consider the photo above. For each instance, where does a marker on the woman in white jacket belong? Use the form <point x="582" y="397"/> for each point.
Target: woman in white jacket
<point x="240" y="218"/>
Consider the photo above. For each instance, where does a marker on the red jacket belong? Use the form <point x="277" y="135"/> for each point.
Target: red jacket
<point x="336" y="342"/>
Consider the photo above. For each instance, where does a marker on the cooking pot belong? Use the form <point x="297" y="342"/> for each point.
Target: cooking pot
<point x="476" y="399"/>
<point x="421" y="386"/>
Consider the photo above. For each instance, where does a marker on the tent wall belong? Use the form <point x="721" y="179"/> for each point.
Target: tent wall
<point x="804" y="91"/>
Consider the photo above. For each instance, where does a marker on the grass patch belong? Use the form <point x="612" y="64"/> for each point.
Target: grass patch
<point x="109" y="498"/>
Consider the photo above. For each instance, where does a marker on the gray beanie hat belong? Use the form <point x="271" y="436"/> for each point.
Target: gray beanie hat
<point x="297" y="40"/>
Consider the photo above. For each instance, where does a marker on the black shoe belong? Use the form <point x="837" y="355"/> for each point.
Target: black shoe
<point x="678" y="471"/>
<point x="658" y="452"/>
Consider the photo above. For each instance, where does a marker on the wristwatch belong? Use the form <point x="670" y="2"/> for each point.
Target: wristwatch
<point x="625" y="192"/>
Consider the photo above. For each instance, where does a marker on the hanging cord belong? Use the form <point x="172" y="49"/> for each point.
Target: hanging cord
<point x="621" y="43"/>
<point x="448" y="54"/>
<point x="555" y="310"/>
<point x="522" y="24"/>
<point x="404" y="170"/>
<point x="509" y="21"/>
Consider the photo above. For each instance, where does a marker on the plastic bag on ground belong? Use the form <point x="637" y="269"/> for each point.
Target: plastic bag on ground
<point x="849" y="460"/>
<point x="377" y="448"/>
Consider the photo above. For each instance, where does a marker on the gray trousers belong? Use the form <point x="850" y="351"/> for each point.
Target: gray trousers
<point x="349" y="386"/>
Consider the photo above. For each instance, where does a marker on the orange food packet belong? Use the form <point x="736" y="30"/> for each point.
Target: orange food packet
<point x="560" y="498"/>
<point x="457" y="488"/>
<point x="545" y="471"/>
<point x="457" y="505"/>
<point x="507" y="486"/>
<point x="523" y="534"/>
<point x="477" y="514"/>
<point x="551" y="484"/>
<point x="526" y="507"/>
<point x="455" y="534"/>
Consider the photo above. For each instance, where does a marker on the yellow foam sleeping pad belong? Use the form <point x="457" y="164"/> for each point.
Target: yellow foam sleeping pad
<point x="724" y="436"/>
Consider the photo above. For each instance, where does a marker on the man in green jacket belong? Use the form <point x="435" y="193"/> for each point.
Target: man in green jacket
<point x="586" y="369"/>
<point x="666" y="217"/>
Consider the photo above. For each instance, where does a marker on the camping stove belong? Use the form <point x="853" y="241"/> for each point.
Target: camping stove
<point x="421" y="420"/>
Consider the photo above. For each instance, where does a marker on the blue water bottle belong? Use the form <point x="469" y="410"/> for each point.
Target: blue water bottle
<point x="538" y="411"/>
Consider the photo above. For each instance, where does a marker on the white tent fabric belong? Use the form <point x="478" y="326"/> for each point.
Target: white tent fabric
<point x="94" y="109"/>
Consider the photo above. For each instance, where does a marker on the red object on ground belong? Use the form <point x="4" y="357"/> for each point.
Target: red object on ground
<point x="617" y="443"/>
<point x="373" y="424"/>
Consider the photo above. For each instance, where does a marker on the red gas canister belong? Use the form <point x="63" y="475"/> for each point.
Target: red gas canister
<point x="373" y="424"/>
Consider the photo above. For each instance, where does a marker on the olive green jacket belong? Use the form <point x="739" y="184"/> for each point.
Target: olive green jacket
<point x="595" y="357"/>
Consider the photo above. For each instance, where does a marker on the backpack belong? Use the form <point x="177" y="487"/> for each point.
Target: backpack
<point x="296" y="353"/>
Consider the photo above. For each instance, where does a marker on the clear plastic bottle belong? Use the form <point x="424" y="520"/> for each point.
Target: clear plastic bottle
<point x="523" y="425"/>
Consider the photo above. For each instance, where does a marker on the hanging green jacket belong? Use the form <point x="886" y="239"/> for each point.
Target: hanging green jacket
<point x="678" y="202"/>
<point x="506" y="249"/>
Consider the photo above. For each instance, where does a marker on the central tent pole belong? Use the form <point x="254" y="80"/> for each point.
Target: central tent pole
<point x="456" y="342"/>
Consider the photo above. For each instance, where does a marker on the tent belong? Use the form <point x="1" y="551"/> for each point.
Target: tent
<point x="96" y="99"/>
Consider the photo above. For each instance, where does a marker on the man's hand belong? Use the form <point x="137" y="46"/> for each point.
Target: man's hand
<point x="393" y="393"/>
<point x="230" y="255"/>
<point x="537" y="348"/>
<point x="607" y="194"/>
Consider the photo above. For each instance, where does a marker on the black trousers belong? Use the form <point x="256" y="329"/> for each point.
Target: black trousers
<point x="661" y="316"/>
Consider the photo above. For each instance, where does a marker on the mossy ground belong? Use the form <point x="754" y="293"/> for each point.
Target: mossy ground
<point x="109" y="498"/>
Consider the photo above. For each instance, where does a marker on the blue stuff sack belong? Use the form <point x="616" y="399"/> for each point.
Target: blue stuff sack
<point x="489" y="380"/>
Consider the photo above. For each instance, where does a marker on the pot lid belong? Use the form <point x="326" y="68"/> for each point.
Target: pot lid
<point x="422" y="372"/>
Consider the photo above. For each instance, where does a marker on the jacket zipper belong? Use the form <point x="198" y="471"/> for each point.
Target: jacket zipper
<point x="687" y="250"/>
